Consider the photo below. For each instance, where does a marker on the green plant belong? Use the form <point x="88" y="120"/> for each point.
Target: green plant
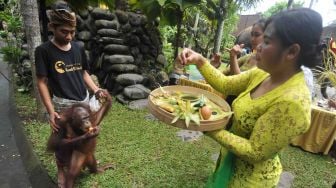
<point x="167" y="37"/>
<point x="279" y="6"/>
<point x="12" y="33"/>
<point x="11" y="54"/>
<point x="203" y="37"/>
<point x="168" y="12"/>
<point x="198" y="30"/>
<point x="328" y="70"/>
<point x="228" y="39"/>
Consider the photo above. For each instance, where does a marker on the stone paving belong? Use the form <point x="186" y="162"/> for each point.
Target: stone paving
<point x="12" y="173"/>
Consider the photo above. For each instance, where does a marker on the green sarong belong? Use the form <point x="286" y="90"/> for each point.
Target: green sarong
<point x="224" y="170"/>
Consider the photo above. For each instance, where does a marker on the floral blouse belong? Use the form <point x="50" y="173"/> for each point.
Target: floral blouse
<point x="261" y="126"/>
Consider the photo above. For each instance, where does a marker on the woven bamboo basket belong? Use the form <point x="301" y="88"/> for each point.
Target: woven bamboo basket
<point x="205" y="125"/>
<point x="197" y="84"/>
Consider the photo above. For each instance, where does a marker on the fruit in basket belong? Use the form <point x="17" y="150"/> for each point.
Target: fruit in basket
<point x="166" y="106"/>
<point x="205" y="112"/>
<point x="189" y="107"/>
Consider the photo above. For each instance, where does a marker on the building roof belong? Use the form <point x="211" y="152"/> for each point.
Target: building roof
<point x="329" y="31"/>
<point x="246" y="21"/>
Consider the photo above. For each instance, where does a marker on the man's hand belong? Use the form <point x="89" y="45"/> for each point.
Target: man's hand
<point x="102" y="95"/>
<point x="99" y="93"/>
<point x="52" y="120"/>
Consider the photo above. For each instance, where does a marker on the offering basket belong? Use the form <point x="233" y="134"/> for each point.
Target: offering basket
<point x="167" y="117"/>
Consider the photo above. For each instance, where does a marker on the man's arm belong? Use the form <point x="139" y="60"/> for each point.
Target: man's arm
<point x="46" y="99"/>
<point x="89" y="82"/>
<point x="92" y="86"/>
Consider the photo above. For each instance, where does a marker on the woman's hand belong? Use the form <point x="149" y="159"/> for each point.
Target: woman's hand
<point x="52" y="120"/>
<point x="216" y="60"/>
<point x="188" y="56"/>
<point x="332" y="103"/>
<point x="236" y="50"/>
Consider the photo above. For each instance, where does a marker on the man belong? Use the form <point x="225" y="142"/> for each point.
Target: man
<point x="61" y="66"/>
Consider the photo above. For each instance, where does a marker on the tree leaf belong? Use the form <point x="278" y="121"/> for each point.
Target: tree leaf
<point x="187" y="119"/>
<point x="179" y="3"/>
<point x="176" y="118"/>
<point x="169" y="17"/>
<point x="161" y="2"/>
<point x="189" y="3"/>
<point x="135" y="4"/>
<point x="195" y="118"/>
<point x="151" y="8"/>
<point x="153" y="11"/>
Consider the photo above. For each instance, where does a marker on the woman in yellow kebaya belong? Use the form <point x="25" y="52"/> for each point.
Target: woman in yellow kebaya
<point x="273" y="103"/>
<point x="248" y="61"/>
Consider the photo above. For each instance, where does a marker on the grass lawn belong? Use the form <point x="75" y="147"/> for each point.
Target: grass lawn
<point x="147" y="153"/>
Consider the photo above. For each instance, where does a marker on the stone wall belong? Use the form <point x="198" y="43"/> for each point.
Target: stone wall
<point x="124" y="50"/>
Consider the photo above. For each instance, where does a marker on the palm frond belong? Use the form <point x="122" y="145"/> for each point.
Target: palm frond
<point x="328" y="70"/>
<point x="83" y="4"/>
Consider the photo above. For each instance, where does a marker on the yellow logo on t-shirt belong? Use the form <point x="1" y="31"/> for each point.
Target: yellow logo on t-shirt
<point x="60" y="67"/>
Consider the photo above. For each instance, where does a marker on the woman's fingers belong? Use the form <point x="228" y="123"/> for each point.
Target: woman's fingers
<point x="188" y="56"/>
<point x="183" y="57"/>
<point x="227" y="49"/>
<point x="237" y="49"/>
<point x="179" y="59"/>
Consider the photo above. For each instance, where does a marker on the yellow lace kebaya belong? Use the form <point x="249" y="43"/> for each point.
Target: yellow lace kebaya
<point x="261" y="126"/>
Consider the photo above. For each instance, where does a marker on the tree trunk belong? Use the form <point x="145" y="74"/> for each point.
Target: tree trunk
<point x="311" y="3"/>
<point x="121" y="5"/>
<point x="194" y="29"/>
<point x="29" y="10"/>
<point x="178" y="34"/>
<point x="44" y="20"/>
<point x="290" y="4"/>
<point x="219" y="31"/>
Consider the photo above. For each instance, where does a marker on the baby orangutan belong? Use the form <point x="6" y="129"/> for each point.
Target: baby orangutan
<point x="75" y="142"/>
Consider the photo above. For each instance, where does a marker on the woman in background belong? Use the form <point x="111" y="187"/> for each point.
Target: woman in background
<point x="245" y="62"/>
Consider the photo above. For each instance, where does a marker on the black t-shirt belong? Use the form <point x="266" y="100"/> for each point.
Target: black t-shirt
<point x="64" y="70"/>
